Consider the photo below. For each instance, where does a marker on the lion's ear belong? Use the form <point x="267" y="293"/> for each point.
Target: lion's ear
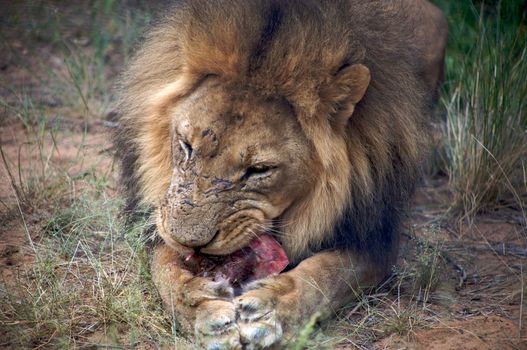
<point x="345" y="90"/>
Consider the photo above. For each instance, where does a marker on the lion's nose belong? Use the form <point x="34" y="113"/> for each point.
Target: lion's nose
<point x="190" y="226"/>
<point x="195" y="237"/>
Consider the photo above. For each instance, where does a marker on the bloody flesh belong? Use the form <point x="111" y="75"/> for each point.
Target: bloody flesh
<point x="263" y="257"/>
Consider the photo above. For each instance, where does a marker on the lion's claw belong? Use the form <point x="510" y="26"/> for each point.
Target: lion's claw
<point x="257" y="321"/>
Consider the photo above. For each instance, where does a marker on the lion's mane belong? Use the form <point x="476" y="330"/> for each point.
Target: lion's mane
<point x="292" y="48"/>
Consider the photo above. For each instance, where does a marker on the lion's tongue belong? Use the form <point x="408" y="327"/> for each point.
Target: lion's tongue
<point x="262" y="258"/>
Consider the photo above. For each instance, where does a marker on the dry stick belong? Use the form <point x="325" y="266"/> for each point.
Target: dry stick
<point x="15" y="190"/>
<point x="359" y="304"/>
<point x="9" y="174"/>
<point x="499" y="248"/>
<point x="4" y="204"/>
<point x="521" y="305"/>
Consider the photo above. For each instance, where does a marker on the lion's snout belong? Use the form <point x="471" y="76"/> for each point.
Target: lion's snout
<point x="191" y="225"/>
<point x="194" y="237"/>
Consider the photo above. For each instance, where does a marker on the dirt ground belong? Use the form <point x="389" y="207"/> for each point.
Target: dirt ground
<point x="473" y="293"/>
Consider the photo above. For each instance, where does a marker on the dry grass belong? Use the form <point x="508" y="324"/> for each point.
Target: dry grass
<point x="486" y="110"/>
<point x="80" y="278"/>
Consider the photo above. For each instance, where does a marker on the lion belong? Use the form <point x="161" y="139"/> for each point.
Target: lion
<point x="304" y="119"/>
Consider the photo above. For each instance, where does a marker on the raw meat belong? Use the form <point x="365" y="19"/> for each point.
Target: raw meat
<point x="263" y="257"/>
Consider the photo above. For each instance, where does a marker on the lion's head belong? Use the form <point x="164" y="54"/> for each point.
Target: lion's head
<point x="253" y="120"/>
<point x="238" y="163"/>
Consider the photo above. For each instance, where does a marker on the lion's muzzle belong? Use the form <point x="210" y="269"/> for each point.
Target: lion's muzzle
<point x="191" y="216"/>
<point x="189" y="224"/>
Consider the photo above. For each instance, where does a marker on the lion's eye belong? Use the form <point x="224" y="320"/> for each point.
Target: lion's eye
<point x="258" y="170"/>
<point x="187" y="149"/>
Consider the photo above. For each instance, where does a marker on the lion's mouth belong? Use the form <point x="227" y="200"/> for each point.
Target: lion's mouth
<point x="263" y="257"/>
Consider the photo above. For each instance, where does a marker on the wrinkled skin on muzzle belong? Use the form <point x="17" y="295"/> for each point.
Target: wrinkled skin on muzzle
<point x="196" y="205"/>
<point x="194" y="216"/>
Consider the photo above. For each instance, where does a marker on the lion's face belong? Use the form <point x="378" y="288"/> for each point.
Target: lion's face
<point x="238" y="163"/>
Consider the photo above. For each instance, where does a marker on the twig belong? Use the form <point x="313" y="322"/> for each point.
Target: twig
<point x="359" y="304"/>
<point x="521" y="305"/>
<point x="499" y="248"/>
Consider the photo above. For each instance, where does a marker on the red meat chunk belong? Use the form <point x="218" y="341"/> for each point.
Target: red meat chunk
<point x="263" y="257"/>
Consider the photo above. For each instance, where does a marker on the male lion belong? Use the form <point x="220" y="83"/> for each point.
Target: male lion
<point x="305" y="119"/>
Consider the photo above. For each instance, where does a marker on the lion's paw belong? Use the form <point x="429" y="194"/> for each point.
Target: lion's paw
<point x="257" y="320"/>
<point x="198" y="289"/>
<point x="216" y="327"/>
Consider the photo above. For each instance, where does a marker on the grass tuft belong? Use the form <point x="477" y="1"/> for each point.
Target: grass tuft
<point x="485" y="135"/>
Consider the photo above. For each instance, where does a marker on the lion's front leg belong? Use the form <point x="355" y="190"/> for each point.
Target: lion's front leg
<point x="201" y="306"/>
<point x="271" y="310"/>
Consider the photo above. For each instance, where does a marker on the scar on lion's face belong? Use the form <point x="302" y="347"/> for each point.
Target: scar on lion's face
<point x="236" y="167"/>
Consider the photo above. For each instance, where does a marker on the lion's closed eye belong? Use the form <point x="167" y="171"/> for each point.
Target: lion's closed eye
<point x="187" y="150"/>
<point x="258" y="171"/>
